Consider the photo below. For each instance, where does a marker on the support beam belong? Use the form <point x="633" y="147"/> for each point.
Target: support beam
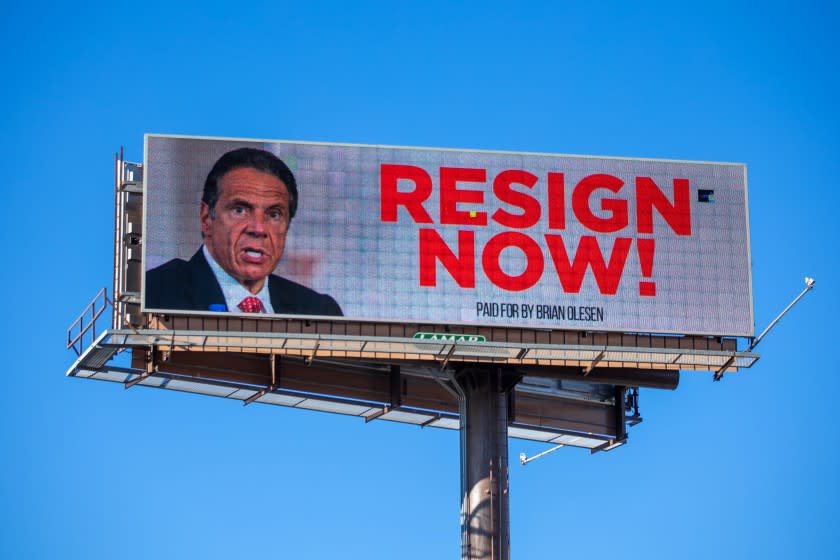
<point x="395" y="393"/>
<point x="258" y="394"/>
<point x="151" y="369"/>
<point x="377" y="414"/>
<point x="588" y="369"/>
<point x="627" y="377"/>
<point x="485" y="506"/>
<point x="620" y="413"/>
<point x="395" y="385"/>
<point x="308" y="360"/>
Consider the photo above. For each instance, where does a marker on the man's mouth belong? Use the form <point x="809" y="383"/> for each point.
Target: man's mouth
<point x="254" y="255"/>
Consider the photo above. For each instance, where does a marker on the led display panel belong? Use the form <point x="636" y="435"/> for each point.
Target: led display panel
<point x="428" y="235"/>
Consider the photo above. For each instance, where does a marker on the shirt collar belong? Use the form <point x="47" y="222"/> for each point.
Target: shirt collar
<point x="233" y="291"/>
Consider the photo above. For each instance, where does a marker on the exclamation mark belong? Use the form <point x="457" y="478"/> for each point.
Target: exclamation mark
<point x="646" y="247"/>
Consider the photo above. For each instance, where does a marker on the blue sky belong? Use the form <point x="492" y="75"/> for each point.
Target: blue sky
<point x="743" y="468"/>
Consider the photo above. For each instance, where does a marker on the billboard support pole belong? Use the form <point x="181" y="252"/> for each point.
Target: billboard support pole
<point x="809" y="285"/>
<point x="485" y="507"/>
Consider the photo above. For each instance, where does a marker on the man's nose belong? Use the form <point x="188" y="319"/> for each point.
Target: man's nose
<point x="256" y="224"/>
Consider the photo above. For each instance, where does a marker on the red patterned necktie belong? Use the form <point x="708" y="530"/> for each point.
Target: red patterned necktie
<point x="251" y="305"/>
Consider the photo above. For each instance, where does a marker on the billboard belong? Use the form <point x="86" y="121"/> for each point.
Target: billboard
<point x="428" y="235"/>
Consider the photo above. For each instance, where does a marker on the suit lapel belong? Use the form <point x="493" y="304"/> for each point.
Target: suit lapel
<point x="205" y="289"/>
<point x="279" y="296"/>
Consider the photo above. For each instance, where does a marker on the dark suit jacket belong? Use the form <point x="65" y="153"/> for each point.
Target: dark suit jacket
<point x="191" y="285"/>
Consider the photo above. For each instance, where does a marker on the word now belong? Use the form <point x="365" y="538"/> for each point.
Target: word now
<point x="616" y="214"/>
<point x="571" y="272"/>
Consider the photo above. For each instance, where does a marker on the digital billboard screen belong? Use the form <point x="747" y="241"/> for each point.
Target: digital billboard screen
<point x="427" y="235"/>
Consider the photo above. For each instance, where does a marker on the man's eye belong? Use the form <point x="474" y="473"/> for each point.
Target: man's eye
<point x="239" y="210"/>
<point x="275" y="214"/>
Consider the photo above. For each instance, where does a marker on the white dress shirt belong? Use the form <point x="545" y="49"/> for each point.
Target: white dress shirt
<point x="233" y="291"/>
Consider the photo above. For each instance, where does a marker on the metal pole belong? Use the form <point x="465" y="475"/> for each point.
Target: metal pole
<point x="809" y="285"/>
<point x="485" y="509"/>
<point x="524" y="459"/>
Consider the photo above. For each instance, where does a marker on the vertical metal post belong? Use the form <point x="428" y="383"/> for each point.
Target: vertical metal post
<point x="118" y="273"/>
<point x="620" y="413"/>
<point x="485" y="506"/>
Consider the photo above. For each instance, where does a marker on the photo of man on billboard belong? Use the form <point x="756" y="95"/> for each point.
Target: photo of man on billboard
<point x="249" y="199"/>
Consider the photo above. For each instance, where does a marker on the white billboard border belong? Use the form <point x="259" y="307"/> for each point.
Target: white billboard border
<point x="476" y="325"/>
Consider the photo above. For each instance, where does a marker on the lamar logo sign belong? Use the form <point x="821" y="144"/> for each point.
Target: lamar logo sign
<point x="441" y="337"/>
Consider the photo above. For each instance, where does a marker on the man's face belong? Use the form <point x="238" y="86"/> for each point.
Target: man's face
<point x="248" y="233"/>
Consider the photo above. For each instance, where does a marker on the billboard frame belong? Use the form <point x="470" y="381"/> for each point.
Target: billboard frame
<point x="459" y="323"/>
